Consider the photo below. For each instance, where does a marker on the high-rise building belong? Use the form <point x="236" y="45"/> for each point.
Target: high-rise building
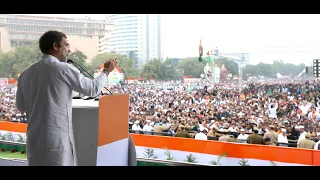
<point x="138" y="33"/>
<point x="85" y="34"/>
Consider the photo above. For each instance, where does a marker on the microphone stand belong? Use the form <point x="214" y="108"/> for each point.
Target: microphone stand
<point x="88" y="75"/>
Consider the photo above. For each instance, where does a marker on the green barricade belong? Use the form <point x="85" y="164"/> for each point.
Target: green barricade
<point x="8" y="147"/>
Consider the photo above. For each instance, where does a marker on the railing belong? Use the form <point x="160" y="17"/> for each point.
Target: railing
<point x="292" y="142"/>
<point x="22" y="127"/>
<point x="12" y="143"/>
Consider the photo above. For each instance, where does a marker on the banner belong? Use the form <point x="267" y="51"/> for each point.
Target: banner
<point x="3" y="82"/>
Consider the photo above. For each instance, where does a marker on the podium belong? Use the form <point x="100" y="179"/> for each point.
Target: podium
<point x="101" y="131"/>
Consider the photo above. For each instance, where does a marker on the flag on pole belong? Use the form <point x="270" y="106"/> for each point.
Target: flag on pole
<point x="208" y="58"/>
<point x="200" y="52"/>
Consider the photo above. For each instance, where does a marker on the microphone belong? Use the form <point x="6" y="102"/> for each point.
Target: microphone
<point x="82" y="70"/>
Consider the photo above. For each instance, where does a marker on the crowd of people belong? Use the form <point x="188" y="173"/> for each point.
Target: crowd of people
<point x="8" y="110"/>
<point x="279" y="112"/>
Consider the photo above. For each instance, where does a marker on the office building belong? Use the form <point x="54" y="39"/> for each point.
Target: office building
<point x="136" y="33"/>
<point x="84" y="34"/>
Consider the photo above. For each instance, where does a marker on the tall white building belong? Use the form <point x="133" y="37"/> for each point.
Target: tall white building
<point x="136" y="35"/>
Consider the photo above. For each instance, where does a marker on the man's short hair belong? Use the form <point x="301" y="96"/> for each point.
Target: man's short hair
<point x="48" y="38"/>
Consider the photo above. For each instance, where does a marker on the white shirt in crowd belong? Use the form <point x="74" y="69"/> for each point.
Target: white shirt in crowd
<point x="201" y="136"/>
<point x="148" y="128"/>
<point x="304" y="108"/>
<point x="273" y="111"/>
<point x="282" y="139"/>
<point x="316" y="146"/>
<point x="243" y="136"/>
<point x="301" y="137"/>
<point x="231" y="129"/>
<point x="136" y="127"/>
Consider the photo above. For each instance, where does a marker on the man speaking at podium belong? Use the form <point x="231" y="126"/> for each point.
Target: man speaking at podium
<point x="45" y="94"/>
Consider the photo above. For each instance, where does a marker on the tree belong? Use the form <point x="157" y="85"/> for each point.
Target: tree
<point x="125" y="64"/>
<point x="149" y="70"/>
<point x="79" y="58"/>
<point x="270" y="70"/>
<point x="6" y="62"/>
<point x="192" y="67"/>
<point x="231" y="66"/>
<point x="17" y="61"/>
<point x="160" y="70"/>
<point x="98" y="60"/>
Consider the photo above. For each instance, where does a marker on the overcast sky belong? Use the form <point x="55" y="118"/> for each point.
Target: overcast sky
<point x="291" y="38"/>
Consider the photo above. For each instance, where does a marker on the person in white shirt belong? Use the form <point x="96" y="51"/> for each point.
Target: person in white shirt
<point x="202" y="134"/>
<point x="203" y="124"/>
<point x="273" y="110"/>
<point x="242" y="136"/>
<point x="148" y="128"/>
<point x="282" y="137"/>
<point x="317" y="146"/>
<point x="302" y="133"/>
<point x="44" y="93"/>
<point x="212" y="124"/>
<point x="233" y="128"/>
<point x="305" y="108"/>
<point x="136" y="127"/>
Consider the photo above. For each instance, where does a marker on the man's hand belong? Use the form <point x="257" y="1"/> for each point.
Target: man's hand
<point x="110" y="65"/>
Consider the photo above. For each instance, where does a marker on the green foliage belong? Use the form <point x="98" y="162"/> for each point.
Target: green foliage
<point x="191" y="159"/>
<point x="148" y="153"/>
<point x="17" y="61"/>
<point x="243" y="162"/>
<point x="231" y="66"/>
<point x="270" y="70"/>
<point x="21" y="139"/>
<point x="273" y="163"/>
<point x="79" y="58"/>
<point x="217" y="163"/>
<point x="160" y="70"/>
<point x="168" y="154"/>
<point x="192" y="67"/>
<point x="125" y="64"/>
<point x="4" y="137"/>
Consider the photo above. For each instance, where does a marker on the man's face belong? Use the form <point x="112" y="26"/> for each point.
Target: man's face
<point x="62" y="50"/>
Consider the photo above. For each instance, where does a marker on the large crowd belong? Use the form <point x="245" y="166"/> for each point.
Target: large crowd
<point x="8" y="110"/>
<point x="279" y="112"/>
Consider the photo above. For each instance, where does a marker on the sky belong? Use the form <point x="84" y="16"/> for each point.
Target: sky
<point x="293" y="38"/>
